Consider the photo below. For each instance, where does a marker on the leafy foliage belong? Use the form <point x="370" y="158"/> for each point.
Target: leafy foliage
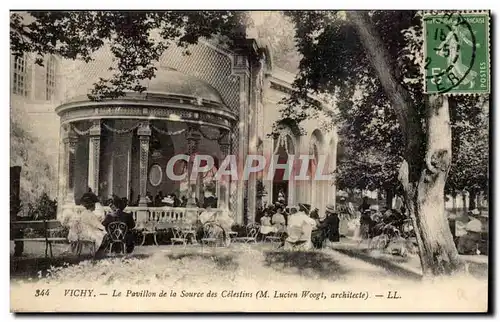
<point x="278" y="31"/>
<point x="334" y="62"/>
<point x="43" y="208"/>
<point x="136" y="39"/>
<point x="470" y="148"/>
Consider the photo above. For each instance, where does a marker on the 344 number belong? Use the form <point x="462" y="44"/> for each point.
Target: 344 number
<point x="42" y="292"/>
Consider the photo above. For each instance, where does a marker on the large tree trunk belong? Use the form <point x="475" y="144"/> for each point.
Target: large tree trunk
<point x="440" y="254"/>
<point x="424" y="172"/>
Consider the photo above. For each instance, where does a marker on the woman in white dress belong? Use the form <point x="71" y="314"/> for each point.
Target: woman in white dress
<point x="278" y="220"/>
<point x="265" y="225"/>
<point x="300" y="227"/>
<point x="84" y="226"/>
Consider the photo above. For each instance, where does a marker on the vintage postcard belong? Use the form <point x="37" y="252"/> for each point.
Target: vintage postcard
<point x="249" y="161"/>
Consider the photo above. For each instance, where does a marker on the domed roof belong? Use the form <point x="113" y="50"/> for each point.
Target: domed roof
<point x="175" y="83"/>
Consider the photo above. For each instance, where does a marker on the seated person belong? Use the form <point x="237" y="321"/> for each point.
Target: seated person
<point x="207" y="215"/>
<point x="177" y="201"/>
<point x="299" y="230"/>
<point x="265" y="225"/>
<point x="84" y="226"/>
<point x="470" y="242"/>
<point x="158" y="200"/>
<point x="225" y="219"/>
<point x="184" y="201"/>
<point x="222" y="218"/>
<point x="278" y="220"/>
<point x="328" y="228"/>
<point x="117" y="214"/>
<point x="169" y="201"/>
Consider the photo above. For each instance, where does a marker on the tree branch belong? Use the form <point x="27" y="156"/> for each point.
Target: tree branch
<point x="399" y="97"/>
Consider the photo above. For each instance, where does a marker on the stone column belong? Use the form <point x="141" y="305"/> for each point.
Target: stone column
<point x="144" y="133"/>
<point x="332" y="188"/>
<point x="242" y="70"/>
<point x="70" y="142"/>
<point x="193" y="140"/>
<point x="256" y="98"/>
<point x="224" y="185"/>
<point x="94" y="155"/>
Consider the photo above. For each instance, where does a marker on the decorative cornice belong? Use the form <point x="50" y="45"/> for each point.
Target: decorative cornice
<point x="149" y="106"/>
<point x="288" y="89"/>
<point x="138" y="112"/>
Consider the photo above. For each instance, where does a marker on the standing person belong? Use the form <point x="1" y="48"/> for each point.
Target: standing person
<point x="332" y="224"/>
<point x="278" y="220"/>
<point x="365" y="205"/>
<point x="364" y="224"/>
<point x="281" y="197"/>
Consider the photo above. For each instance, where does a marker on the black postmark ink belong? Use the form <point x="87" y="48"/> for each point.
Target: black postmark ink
<point x="450" y="22"/>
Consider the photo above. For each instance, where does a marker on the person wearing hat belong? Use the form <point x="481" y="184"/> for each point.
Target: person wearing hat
<point x="299" y="230"/>
<point x="365" y="222"/>
<point x="85" y="226"/>
<point x="118" y="206"/>
<point x="281" y="197"/>
<point x="329" y="227"/>
<point x="470" y="243"/>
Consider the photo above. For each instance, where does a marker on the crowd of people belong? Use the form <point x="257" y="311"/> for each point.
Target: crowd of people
<point x="91" y="225"/>
<point x="299" y="227"/>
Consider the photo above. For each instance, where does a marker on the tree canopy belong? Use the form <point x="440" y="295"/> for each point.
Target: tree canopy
<point x="335" y="62"/>
<point x="137" y="39"/>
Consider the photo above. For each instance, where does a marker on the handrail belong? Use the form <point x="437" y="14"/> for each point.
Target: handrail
<point x="153" y="214"/>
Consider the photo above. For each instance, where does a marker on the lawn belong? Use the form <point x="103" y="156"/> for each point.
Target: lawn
<point x="238" y="268"/>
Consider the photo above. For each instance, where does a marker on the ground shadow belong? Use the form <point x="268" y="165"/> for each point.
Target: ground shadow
<point x="26" y="267"/>
<point x="224" y="262"/>
<point x="310" y="264"/>
<point x="389" y="266"/>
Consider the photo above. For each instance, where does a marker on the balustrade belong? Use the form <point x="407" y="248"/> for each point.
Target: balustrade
<point x="145" y="215"/>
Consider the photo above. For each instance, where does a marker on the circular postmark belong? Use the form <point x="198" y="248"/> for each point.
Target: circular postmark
<point x="450" y="47"/>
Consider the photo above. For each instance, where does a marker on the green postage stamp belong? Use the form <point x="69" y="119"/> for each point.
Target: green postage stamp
<point x="457" y="53"/>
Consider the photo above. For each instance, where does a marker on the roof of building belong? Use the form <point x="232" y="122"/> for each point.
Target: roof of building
<point x="170" y="95"/>
<point x="177" y="83"/>
<point x="168" y="82"/>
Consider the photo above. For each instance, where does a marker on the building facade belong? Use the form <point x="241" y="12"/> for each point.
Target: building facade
<point x="215" y="101"/>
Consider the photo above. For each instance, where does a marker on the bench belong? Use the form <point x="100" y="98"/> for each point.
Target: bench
<point x="46" y="229"/>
